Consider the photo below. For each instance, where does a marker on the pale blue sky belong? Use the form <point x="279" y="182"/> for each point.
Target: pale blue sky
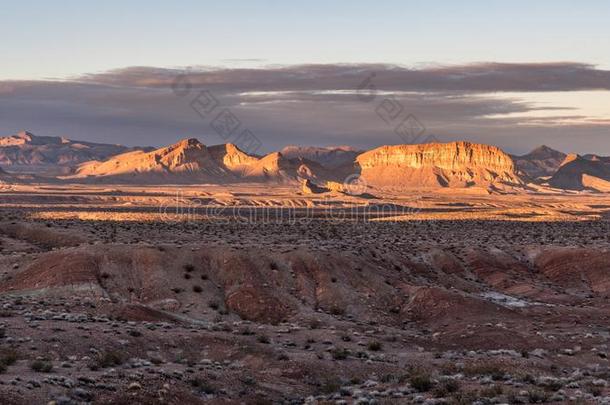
<point x="537" y="86"/>
<point x="43" y="39"/>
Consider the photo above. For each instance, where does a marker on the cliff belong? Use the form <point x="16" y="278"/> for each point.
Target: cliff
<point x="456" y="164"/>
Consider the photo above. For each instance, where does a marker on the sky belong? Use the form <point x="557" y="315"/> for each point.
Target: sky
<point x="68" y="70"/>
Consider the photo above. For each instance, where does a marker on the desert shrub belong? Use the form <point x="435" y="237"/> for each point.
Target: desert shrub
<point x="195" y="382"/>
<point x="362" y="355"/>
<point x="595" y="390"/>
<point x="374" y="346"/>
<point x="330" y="386"/>
<point x="554" y="385"/>
<point x="340" y="354"/>
<point x="421" y="382"/>
<point x="529" y="379"/>
<point x="202" y="386"/>
<point x="537" y="397"/>
<point x="197" y="288"/>
<point x="446" y="387"/>
<point x="187" y="276"/>
<point x="8" y="357"/>
<point x="314" y="323"/>
<point x="389" y="378"/>
<point x="491" y="392"/>
<point x="449" y="368"/>
<point x="189" y="268"/>
<point x="337" y="311"/>
<point x="41" y="366"/>
<point x="492" y="369"/>
<point x="247" y="380"/>
<point x="464" y="397"/>
<point x="214" y="305"/>
<point x="109" y="358"/>
<point x="262" y="339"/>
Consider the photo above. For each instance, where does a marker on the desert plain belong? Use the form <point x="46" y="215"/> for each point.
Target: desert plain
<point x="203" y="293"/>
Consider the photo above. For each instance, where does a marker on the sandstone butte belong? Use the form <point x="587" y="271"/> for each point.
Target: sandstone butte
<point x="456" y="164"/>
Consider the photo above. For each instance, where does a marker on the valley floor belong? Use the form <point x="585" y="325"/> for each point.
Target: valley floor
<point x="251" y="294"/>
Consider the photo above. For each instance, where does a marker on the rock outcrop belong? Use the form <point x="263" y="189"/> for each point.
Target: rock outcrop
<point x="456" y="164"/>
<point x="577" y="173"/>
<point x="308" y="187"/>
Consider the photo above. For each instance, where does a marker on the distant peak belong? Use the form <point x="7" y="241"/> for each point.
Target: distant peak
<point x="275" y="155"/>
<point x="187" y="143"/>
<point x="25" y="135"/>
<point x="545" y="152"/>
<point x="542" y="148"/>
<point x="232" y="148"/>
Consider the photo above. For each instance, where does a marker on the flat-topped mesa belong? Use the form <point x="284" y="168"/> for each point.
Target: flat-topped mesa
<point x="451" y="156"/>
<point x="455" y="164"/>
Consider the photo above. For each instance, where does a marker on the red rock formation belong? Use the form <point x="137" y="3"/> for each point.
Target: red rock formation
<point x="456" y="164"/>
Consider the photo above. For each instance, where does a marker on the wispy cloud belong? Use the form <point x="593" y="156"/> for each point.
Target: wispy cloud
<point x="480" y="77"/>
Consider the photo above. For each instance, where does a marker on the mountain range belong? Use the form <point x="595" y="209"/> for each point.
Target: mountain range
<point x="27" y="152"/>
<point x="190" y="161"/>
<point x="435" y="165"/>
<point x="540" y="162"/>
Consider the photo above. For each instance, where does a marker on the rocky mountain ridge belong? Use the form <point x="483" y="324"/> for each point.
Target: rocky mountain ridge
<point x="189" y="160"/>
<point x="26" y="152"/>
<point x="437" y="165"/>
<point x="542" y="161"/>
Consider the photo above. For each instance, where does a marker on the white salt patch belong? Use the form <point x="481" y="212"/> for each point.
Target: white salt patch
<point x="505" y="300"/>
